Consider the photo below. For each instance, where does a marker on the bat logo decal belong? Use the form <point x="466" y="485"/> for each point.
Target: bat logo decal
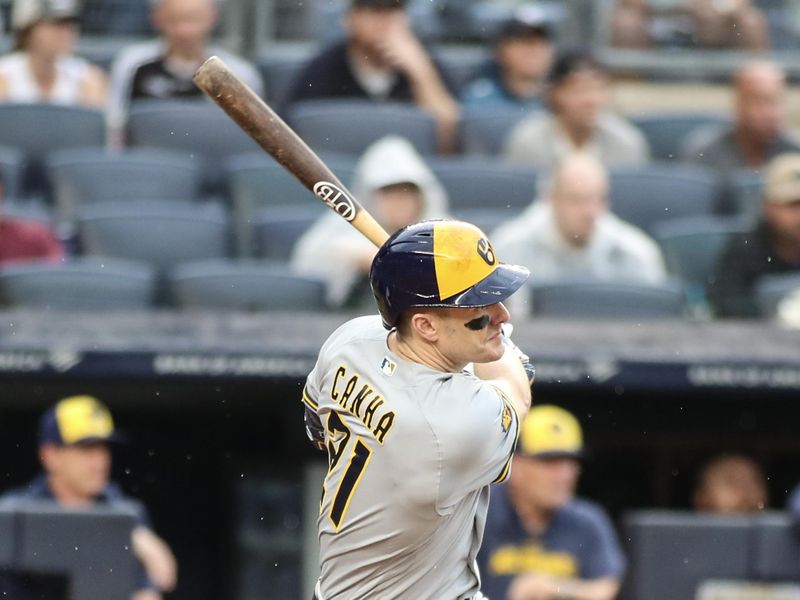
<point x="337" y="199"/>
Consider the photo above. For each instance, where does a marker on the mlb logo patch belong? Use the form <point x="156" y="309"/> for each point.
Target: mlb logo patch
<point x="388" y="366"/>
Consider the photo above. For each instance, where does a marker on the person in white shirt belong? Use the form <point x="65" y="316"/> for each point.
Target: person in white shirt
<point x="577" y="120"/>
<point x="570" y="233"/>
<point x="42" y="67"/>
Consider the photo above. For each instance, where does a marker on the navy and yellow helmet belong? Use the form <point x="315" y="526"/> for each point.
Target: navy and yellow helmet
<point x="440" y="263"/>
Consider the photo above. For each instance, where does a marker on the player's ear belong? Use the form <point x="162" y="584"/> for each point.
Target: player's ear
<point x="425" y="326"/>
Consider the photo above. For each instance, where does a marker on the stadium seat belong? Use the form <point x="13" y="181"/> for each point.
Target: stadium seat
<point x="671" y="554"/>
<point x="487" y="219"/>
<point x="32" y="209"/>
<point x="666" y="132"/>
<point x="36" y="129"/>
<point x="597" y="299"/>
<point x="349" y="126"/>
<point x="486" y="184"/>
<point x="87" y="176"/>
<point x="279" y="74"/>
<point x="648" y="195"/>
<point x="744" y="188"/>
<point x="484" y="131"/>
<point x="245" y="285"/>
<point x="692" y="247"/>
<point x="198" y="129"/>
<point x="160" y="234"/>
<point x="80" y="284"/>
<point x="277" y="229"/>
<point x="256" y="181"/>
<point x="12" y="166"/>
<point x="777" y="548"/>
<point x="771" y="289"/>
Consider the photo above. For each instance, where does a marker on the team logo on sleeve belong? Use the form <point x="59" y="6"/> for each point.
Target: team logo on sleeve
<point x="506" y="418"/>
<point x="388" y="366"/>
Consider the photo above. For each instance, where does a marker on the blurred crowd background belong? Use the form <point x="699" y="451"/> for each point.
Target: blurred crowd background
<point x="640" y="157"/>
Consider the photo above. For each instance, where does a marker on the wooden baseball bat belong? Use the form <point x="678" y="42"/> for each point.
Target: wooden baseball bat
<point x="261" y="123"/>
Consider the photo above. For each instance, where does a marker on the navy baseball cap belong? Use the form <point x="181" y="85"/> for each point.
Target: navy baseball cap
<point x="75" y="421"/>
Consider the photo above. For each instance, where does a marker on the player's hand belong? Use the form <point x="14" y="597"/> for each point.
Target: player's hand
<point x="532" y="586"/>
<point x="530" y="370"/>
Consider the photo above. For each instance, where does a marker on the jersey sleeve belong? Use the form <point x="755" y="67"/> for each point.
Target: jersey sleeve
<point x="476" y="440"/>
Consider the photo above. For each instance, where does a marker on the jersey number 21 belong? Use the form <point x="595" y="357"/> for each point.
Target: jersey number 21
<point x="357" y="461"/>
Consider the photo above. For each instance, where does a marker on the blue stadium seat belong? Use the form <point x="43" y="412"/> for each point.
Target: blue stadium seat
<point x="279" y="73"/>
<point x="199" y="129"/>
<point x="245" y="285"/>
<point x="32" y="209"/>
<point x="486" y="219"/>
<point x="158" y="233"/>
<point x="745" y="188"/>
<point x="771" y="289"/>
<point x="256" y="181"/>
<point x="484" y="131"/>
<point x="86" y="176"/>
<point x="473" y="183"/>
<point x="36" y="129"/>
<point x="671" y="553"/>
<point x="12" y="165"/>
<point x="606" y="300"/>
<point x="777" y="548"/>
<point x="277" y="229"/>
<point x="349" y="126"/>
<point x="666" y="132"/>
<point x="692" y="247"/>
<point x="86" y="284"/>
<point x="650" y="194"/>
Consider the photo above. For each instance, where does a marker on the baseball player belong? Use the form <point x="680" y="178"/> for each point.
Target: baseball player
<point x="413" y="437"/>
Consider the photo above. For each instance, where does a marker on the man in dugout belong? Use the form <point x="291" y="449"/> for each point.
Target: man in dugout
<point x="541" y="542"/>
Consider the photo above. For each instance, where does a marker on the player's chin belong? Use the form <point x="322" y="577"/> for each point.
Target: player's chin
<point x="494" y="349"/>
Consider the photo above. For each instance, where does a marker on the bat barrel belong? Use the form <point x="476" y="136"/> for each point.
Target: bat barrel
<point x="270" y="132"/>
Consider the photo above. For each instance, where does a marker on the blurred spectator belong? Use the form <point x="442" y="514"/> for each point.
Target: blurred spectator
<point x="523" y="55"/>
<point x="542" y="543"/>
<point x="42" y="66"/>
<point x="570" y="232"/>
<point x="758" y="132"/>
<point x="710" y="24"/>
<point x="397" y="188"/>
<point x="163" y="68"/>
<point x="381" y="59"/>
<point x="730" y="483"/>
<point x="22" y="240"/>
<point x="74" y="437"/>
<point x="772" y="247"/>
<point x="577" y="119"/>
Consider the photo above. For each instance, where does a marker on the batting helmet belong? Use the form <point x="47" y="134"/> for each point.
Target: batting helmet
<point x="439" y="263"/>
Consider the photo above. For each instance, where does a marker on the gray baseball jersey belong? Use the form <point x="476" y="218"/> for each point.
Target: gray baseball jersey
<point x="411" y="453"/>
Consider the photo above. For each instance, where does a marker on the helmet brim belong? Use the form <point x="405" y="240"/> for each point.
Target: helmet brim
<point x="494" y="288"/>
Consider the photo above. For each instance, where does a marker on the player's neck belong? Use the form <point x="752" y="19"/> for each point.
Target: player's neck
<point x="422" y="353"/>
